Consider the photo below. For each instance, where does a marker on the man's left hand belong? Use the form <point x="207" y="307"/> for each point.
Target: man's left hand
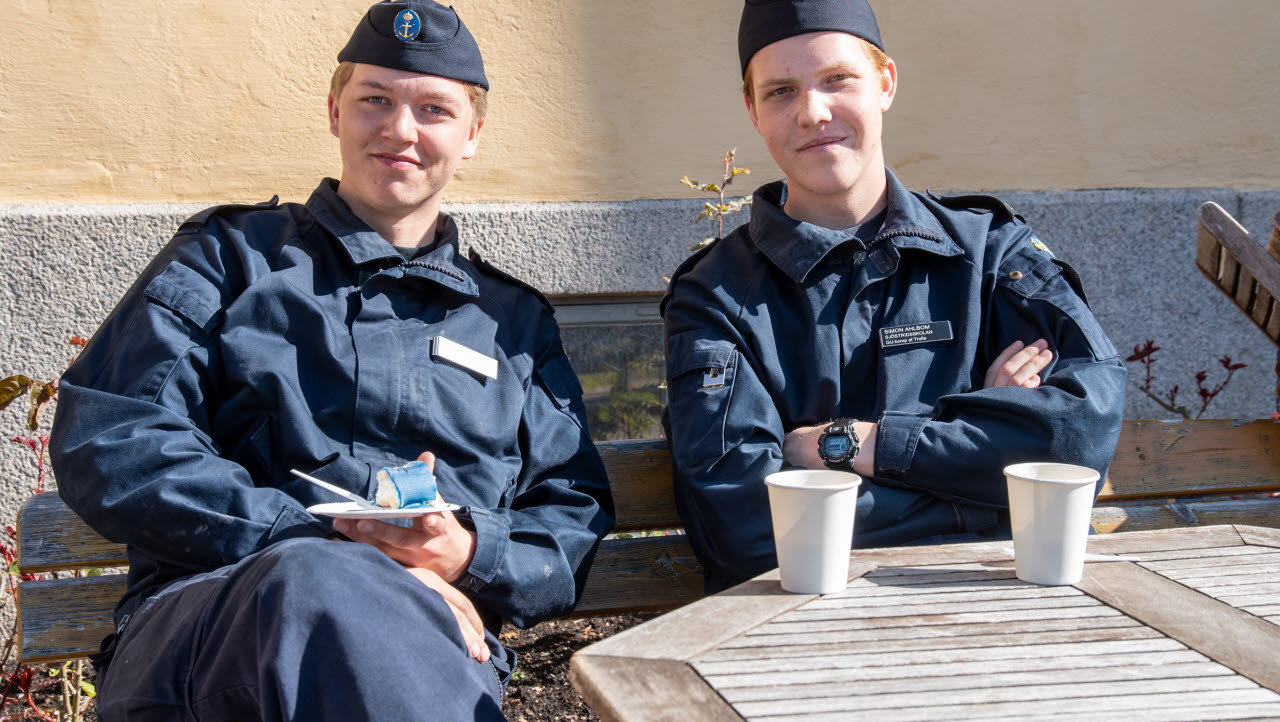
<point x="437" y="542"/>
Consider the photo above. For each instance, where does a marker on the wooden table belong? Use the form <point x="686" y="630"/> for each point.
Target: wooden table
<point x="1191" y="631"/>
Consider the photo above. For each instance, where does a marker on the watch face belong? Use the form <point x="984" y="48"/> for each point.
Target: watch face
<point x="836" y="447"/>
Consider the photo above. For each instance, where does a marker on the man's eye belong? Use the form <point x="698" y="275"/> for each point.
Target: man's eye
<point x="376" y="100"/>
<point x="838" y="77"/>
<point x="779" y="91"/>
<point x="435" y="110"/>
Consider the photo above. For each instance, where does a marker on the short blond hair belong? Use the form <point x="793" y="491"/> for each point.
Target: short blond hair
<point x="874" y="54"/>
<point x="477" y="94"/>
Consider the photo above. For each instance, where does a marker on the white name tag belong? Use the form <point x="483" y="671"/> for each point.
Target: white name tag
<point x="442" y="349"/>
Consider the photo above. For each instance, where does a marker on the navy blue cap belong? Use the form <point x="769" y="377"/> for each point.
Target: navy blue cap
<point x="765" y="22"/>
<point x="419" y="36"/>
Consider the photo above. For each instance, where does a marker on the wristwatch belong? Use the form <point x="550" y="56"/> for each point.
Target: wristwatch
<point x="838" y="446"/>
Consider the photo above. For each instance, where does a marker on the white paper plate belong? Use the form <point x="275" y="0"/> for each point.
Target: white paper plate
<point x="352" y="510"/>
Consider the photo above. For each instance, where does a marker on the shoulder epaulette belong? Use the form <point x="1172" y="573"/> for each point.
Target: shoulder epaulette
<point x="981" y="202"/>
<point x="692" y="260"/>
<point x="203" y="216"/>
<point x="486" y="267"/>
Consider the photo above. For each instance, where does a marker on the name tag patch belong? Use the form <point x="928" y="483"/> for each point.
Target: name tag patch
<point x="442" y="349"/>
<point x="915" y="333"/>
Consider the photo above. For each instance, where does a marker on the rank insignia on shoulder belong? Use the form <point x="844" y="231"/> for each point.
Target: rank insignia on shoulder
<point x="1039" y="244"/>
<point x="407" y="25"/>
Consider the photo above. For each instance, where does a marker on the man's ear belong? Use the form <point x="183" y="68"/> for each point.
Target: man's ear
<point x="333" y="115"/>
<point x="751" y="111"/>
<point x="473" y="139"/>
<point x="888" y="85"/>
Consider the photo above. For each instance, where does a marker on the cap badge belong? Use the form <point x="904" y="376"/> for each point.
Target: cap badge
<point x="407" y="25"/>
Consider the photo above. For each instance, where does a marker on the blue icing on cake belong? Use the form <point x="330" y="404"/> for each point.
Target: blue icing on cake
<point x="407" y="487"/>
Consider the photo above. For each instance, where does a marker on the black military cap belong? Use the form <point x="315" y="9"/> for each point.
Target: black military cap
<point x="765" y="22"/>
<point x="420" y="36"/>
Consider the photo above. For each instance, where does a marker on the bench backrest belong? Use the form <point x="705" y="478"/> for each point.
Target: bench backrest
<point x="1164" y="475"/>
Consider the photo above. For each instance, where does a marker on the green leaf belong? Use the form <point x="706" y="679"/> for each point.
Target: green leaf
<point x="702" y="244"/>
<point x="13" y="387"/>
<point x="95" y="572"/>
<point x="87" y="688"/>
<point x="13" y="569"/>
<point x="741" y="171"/>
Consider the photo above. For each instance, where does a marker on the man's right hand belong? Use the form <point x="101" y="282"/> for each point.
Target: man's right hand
<point x="463" y="610"/>
<point x="1019" y="365"/>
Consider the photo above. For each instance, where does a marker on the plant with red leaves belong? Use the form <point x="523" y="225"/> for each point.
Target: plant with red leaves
<point x="1145" y="355"/>
<point x="28" y="684"/>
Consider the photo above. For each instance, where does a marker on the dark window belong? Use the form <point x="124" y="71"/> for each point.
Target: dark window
<point x="615" y="345"/>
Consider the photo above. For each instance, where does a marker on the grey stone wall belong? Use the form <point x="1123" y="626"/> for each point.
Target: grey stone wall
<point x="66" y="265"/>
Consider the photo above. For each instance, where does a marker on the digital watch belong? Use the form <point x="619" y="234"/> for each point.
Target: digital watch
<point x="838" y="446"/>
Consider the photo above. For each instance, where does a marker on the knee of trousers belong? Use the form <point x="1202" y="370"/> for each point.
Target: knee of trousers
<point x="315" y="581"/>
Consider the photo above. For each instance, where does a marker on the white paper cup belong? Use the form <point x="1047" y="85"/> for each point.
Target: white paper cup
<point x="813" y="527"/>
<point x="1049" y="508"/>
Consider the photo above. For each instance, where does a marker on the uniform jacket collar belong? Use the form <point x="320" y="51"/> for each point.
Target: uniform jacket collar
<point x="797" y="247"/>
<point x="442" y="264"/>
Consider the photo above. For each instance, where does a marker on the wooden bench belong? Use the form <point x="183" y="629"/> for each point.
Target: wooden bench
<point x="1165" y="474"/>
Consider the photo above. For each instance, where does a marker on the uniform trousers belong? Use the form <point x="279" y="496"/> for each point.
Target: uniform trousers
<point x="307" y="629"/>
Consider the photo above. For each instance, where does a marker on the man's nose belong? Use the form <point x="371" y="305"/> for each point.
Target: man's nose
<point x="815" y="108"/>
<point x="401" y="125"/>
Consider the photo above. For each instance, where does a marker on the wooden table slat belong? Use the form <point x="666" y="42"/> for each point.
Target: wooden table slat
<point x="876" y="634"/>
<point x="1100" y="694"/>
<point x="1263" y="711"/>
<point x="1245" y="556"/>
<point x="1240" y="589"/>
<point x="998" y="666"/>
<point x="957" y="618"/>
<point x="978" y="593"/>
<point x="913" y="610"/>
<point x="1241" y="571"/>
<point x="1198" y="554"/>
<point x="1258" y="535"/>
<point x="1053" y="708"/>
<point x="942" y="656"/>
<point x="977" y="681"/>
<point x="1261" y="610"/>
<point x="770" y="648"/>
<point x="656" y="690"/>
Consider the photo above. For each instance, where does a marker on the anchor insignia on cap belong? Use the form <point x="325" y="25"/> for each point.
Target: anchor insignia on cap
<point x="407" y="25"/>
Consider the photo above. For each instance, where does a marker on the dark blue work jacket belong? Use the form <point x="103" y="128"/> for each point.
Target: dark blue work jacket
<point x="784" y="324"/>
<point x="272" y="337"/>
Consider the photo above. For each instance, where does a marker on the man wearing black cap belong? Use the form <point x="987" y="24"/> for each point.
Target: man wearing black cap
<point x="855" y="325"/>
<point x="335" y="337"/>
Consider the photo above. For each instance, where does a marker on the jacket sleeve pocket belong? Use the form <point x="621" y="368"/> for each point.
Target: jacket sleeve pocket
<point x="700" y="376"/>
<point x="1056" y="284"/>
<point x="188" y="294"/>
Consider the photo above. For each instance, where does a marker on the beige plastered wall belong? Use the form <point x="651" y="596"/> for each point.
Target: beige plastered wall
<point x="123" y="101"/>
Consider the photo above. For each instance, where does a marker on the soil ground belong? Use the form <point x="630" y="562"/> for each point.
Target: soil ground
<point x="540" y="690"/>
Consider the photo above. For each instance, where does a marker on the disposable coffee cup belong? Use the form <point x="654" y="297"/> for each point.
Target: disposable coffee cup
<point x="1049" y="508"/>
<point x="813" y="527"/>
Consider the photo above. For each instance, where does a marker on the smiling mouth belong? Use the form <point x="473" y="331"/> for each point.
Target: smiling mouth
<point x="395" y="160"/>
<point x="821" y="143"/>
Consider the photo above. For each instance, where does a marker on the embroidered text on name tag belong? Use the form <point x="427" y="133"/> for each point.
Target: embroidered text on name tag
<point x="442" y="349"/>
<point x="915" y="333"/>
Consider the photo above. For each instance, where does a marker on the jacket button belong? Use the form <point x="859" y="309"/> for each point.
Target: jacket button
<point x="1015" y="275"/>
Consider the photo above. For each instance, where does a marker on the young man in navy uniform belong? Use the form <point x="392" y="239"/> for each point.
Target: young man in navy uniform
<point x="334" y="337"/>
<point x="855" y="325"/>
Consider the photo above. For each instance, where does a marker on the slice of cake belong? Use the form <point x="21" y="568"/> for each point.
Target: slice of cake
<point x="406" y="487"/>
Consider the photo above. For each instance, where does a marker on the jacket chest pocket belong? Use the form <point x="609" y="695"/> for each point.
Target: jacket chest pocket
<point x="700" y="377"/>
